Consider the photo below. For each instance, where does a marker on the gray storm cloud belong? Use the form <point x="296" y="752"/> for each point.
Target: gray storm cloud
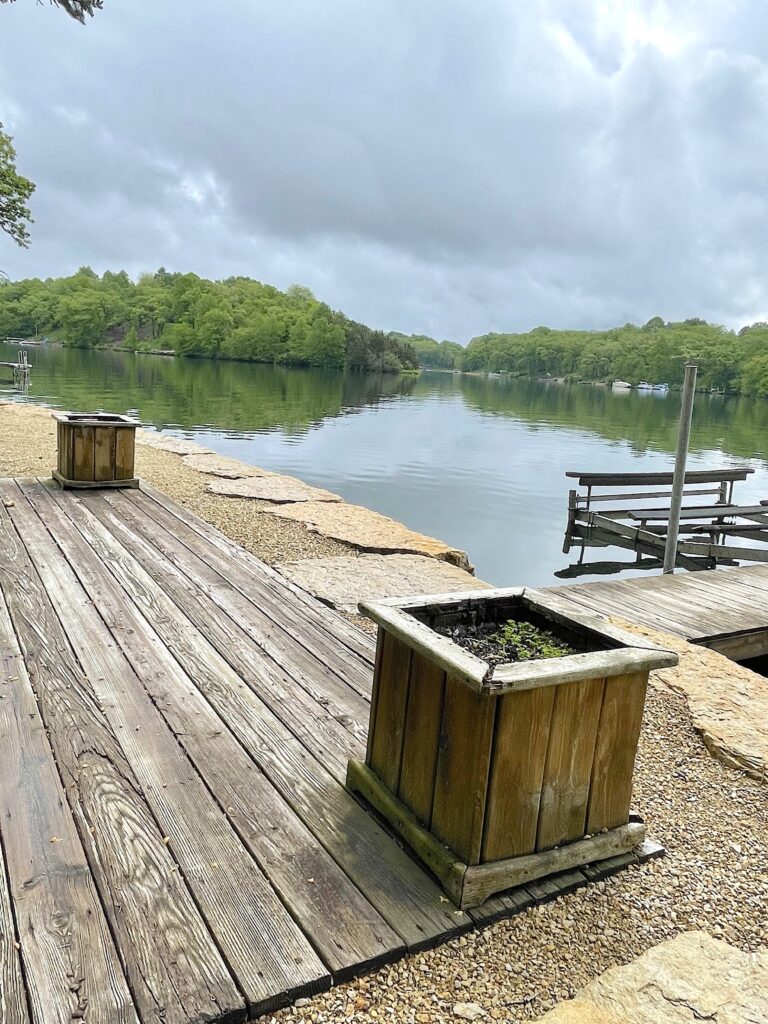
<point x="443" y="167"/>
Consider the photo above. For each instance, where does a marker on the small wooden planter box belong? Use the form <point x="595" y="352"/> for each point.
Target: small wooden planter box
<point x="496" y="778"/>
<point x="95" y="450"/>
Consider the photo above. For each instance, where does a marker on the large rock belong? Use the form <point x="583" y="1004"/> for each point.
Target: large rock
<point x="346" y="580"/>
<point x="369" y="531"/>
<point x="222" y="465"/>
<point x="692" y="977"/>
<point x="728" y="703"/>
<point x="277" y="488"/>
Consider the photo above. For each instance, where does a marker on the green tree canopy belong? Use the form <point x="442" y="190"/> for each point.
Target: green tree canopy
<point x="15" y="190"/>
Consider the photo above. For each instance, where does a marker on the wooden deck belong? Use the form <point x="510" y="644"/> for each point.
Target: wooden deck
<point x="724" y="609"/>
<point x="176" y="842"/>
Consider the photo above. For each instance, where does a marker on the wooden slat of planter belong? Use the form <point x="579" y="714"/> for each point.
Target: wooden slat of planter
<point x="391" y="697"/>
<point x="71" y="966"/>
<point x="374" y="695"/>
<point x="461" y="782"/>
<point x="614" y="761"/>
<point x="103" y="461"/>
<point x="422" y="736"/>
<point x="124" y="453"/>
<point x="568" y="771"/>
<point x="517" y="772"/>
<point x="83" y="452"/>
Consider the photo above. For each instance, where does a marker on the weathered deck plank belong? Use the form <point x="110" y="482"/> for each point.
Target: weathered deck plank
<point x="401" y="892"/>
<point x="691" y="605"/>
<point x="270" y="583"/>
<point x="341" y="924"/>
<point x="319" y="724"/>
<point x="71" y="965"/>
<point x="268" y="954"/>
<point x="175" y="970"/>
<point x="308" y="670"/>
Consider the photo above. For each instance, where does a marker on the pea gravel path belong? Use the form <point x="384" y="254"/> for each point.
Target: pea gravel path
<point x="712" y="819"/>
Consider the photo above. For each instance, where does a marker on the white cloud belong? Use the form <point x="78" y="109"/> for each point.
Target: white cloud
<point x="445" y="166"/>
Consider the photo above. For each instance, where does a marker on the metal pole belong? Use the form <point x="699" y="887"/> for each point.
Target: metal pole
<point x="678" y="480"/>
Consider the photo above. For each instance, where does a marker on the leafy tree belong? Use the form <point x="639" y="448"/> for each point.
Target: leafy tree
<point x="15" y="190"/>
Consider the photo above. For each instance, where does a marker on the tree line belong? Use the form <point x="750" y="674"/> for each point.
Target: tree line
<point x="237" y="318"/>
<point x="655" y="352"/>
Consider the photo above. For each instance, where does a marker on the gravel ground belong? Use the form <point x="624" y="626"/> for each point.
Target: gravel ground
<point x="714" y="824"/>
<point x="712" y="820"/>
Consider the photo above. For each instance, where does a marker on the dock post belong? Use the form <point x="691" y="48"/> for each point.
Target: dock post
<point x="678" y="479"/>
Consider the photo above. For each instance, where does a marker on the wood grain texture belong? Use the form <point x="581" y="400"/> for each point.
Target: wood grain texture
<point x="104" y="453"/>
<point x="297" y="759"/>
<point x="71" y="966"/>
<point x="316" y="721"/>
<point x="568" y="770"/>
<point x="82" y="453"/>
<point x="13" y="995"/>
<point x="618" y="732"/>
<point x="265" y="950"/>
<point x="262" y="590"/>
<point x="342" y="925"/>
<point x="306" y="670"/>
<point x="174" y="968"/>
<point x="517" y="773"/>
<point x="391" y="698"/>
<point x="275" y="587"/>
<point x="463" y="763"/>
<point x="421" y="737"/>
<point x="124" y="453"/>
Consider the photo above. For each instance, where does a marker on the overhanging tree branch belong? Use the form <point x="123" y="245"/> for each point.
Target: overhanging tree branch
<point x="76" y="9"/>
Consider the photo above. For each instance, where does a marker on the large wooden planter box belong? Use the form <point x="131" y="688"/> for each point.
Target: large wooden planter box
<point x="496" y="778"/>
<point x="95" y="450"/>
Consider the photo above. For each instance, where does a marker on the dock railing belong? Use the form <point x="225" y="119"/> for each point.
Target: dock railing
<point x="629" y="522"/>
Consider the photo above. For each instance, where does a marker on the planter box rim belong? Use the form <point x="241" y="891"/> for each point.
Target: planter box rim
<point x="624" y="652"/>
<point x="95" y="419"/>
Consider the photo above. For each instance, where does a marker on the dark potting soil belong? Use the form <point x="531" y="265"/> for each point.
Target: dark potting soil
<point x="501" y="643"/>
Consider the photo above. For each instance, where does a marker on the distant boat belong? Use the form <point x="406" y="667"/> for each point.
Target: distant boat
<point x="644" y="386"/>
<point x="661" y="387"/>
<point x="622" y="384"/>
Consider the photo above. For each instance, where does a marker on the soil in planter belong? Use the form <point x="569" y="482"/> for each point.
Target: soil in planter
<point x="511" y="641"/>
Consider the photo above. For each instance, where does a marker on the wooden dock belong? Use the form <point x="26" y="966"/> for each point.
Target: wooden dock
<point x="20" y="370"/>
<point x="724" y="609"/>
<point x="176" y="842"/>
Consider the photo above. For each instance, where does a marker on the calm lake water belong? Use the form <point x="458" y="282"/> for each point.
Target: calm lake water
<point x="477" y="462"/>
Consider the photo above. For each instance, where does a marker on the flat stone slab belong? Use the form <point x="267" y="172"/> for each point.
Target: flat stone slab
<point x="275" y="487"/>
<point x="728" y="703"/>
<point x="691" y="977"/>
<point x="223" y="466"/>
<point x="346" y="580"/>
<point x="369" y="531"/>
<point x="168" y="443"/>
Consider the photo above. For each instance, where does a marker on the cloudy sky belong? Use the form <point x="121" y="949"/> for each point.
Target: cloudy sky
<point x="440" y="166"/>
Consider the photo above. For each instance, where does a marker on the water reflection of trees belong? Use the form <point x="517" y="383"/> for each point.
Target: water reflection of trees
<point x="738" y="426"/>
<point x="172" y="392"/>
